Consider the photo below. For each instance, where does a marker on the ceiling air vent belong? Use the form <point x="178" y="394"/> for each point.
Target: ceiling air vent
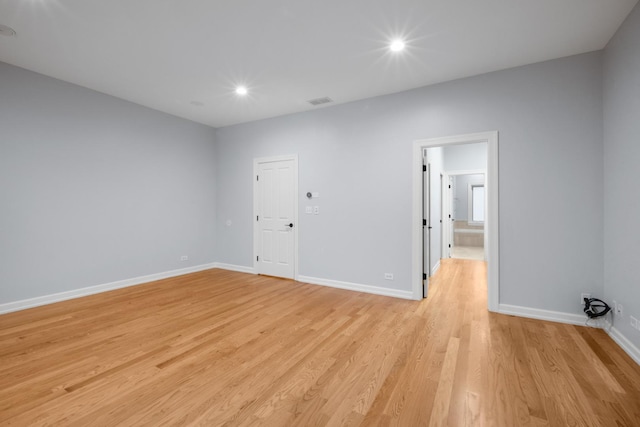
<point x="7" y="31"/>
<point x="320" y="101"/>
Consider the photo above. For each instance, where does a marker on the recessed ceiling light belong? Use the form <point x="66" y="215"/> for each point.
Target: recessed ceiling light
<point x="241" y="90"/>
<point x="7" y="31"/>
<point x="396" y="45"/>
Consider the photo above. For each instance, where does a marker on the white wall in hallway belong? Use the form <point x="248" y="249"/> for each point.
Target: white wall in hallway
<point x="465" y="157"/>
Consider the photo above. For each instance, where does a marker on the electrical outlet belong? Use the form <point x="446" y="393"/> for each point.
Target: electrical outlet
<point x="316" y="210"/>
<point x="184" y="258"/>
<point x="583" y="296"/>
<point x="634" y="322"/>
<point x="388" y="276"/>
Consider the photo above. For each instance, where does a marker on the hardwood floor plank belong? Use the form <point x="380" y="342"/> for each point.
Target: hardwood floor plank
<point x="224" y="348"/>
<point x="442" y="401"/>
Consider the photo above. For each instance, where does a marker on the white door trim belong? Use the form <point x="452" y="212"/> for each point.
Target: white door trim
<point x="492" y="220"/>
<point x="256" y="230"/>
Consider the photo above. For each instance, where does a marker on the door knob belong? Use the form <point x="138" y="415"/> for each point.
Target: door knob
<point x="289" y="225"/>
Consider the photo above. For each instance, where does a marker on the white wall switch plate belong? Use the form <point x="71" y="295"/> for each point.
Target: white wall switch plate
<point x="308" y="209"/>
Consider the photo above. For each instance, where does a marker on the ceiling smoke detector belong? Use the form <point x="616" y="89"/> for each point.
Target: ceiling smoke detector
<point x="320" y="101"/>
<point x="7" y="31"/>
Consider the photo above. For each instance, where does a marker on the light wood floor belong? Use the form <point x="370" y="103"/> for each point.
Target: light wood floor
<point x="225" y="348"/>
<point x="468" y="252"/>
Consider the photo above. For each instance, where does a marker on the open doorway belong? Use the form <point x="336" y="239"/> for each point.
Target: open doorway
<point x="466" y="212"/>
<point x="489" y="193"/>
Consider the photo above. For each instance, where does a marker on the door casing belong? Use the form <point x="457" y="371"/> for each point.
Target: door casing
<point x="492" y="220"/>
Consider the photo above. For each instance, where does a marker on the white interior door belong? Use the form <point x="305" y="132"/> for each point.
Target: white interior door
<point x="275" y="208"/>
<point x="426" y="226"/>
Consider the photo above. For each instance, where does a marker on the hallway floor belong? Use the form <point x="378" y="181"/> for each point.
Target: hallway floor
<point x="468" y="252"/>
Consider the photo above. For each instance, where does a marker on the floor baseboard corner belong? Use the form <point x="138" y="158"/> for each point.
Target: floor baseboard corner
<point x="232" y="267"/>
<point x="540" y="314"/>
<point x="625" y="344"/>
<point x="376" y="290"/>
<point x="96" y="289"/>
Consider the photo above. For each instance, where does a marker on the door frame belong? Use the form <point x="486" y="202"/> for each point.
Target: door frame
<point x="492" y="220"/>
<point x="449" y="209"/>
<point x="256" y="229"/>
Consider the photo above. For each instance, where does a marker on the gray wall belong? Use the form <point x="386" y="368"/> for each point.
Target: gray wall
<point x="465" y="157"/>
<point x="358" y="156"/>
<point x="94" y="189"/>
<point x="622" y="172"/>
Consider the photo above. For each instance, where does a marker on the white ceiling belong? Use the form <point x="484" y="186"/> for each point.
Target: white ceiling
<point x="169" y="54"/>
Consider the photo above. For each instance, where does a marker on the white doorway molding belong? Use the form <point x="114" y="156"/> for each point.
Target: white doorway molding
<point x="492" y="220"/>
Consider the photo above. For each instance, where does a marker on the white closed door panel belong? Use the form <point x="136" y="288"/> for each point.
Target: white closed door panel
<point x="275" y="218"/>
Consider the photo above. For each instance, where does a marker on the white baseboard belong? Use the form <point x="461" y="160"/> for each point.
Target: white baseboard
<point x="625" y="344"/>
<point x="77" y="293"/>
<point x="238" y="268"/>
<point x="357" y="287"/>
<point x="331" y="283"/>
<point x="435" y="268"/>
<point x="533" y="313"/>
<point x="573" y="319"/>
<point x="536" y="313"/>
<point x="91" y="290"/>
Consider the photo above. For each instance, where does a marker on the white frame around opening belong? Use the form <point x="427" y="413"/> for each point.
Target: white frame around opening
<point x="491" y="221"/>
<point x="296" y="222"/>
